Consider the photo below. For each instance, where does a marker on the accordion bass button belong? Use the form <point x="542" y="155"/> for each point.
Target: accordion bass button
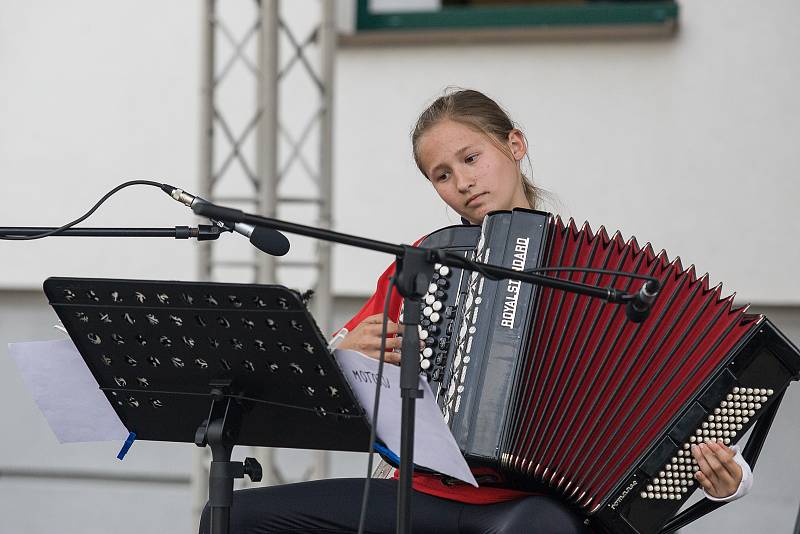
<point x="425" y="364"/>
<point x="444" y="270"/>
<point x="429" y="299"/>
<point x="435" y="317"/>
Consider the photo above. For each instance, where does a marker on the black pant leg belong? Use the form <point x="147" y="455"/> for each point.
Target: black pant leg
<point x="537" y="514"/>
<point x="332" y="507"/>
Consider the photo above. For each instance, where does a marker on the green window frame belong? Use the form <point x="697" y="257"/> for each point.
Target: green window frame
<point x="620" y="13"/>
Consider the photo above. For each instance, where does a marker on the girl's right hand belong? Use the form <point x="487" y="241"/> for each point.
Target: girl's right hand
<point x="366" y="338"/>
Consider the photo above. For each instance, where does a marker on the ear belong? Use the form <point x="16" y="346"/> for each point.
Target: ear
<point x="517" y="144"/>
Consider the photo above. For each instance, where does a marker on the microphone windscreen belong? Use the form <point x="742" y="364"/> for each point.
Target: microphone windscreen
<point x="270" y="241"/>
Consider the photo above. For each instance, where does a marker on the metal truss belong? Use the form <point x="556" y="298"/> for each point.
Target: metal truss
<point x="257" y="158"/>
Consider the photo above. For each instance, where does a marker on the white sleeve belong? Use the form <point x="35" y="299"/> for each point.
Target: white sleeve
<point x="744" y="485"/>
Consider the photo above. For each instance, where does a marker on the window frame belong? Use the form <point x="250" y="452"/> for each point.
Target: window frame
<point x="656" y="17"/>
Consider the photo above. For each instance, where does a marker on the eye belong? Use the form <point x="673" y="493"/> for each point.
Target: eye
<point x="472" y="158"/>
<point x="442" y="177"/>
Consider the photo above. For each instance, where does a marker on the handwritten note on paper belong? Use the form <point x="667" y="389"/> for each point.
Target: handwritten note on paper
<point x="66" y="392"/>
<point x="434" y="445"/>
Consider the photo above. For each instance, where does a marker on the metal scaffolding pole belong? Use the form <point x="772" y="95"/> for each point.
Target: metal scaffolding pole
<point x="206" y="153"/>
<point x="224" y="151"/>
<point x="323" y="303"/>
<point x="267" y="131"/>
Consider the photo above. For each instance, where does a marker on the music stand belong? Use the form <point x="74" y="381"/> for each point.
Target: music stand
<point x="214" y="364"/>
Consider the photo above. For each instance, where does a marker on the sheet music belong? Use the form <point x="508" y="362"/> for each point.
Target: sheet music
<point x="434" y="445"/>
<point x="66" y="392"/>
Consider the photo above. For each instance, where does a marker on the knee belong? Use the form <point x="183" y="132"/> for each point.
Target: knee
<point x="546" y="516"/>
<point x="205" y="522"/>
<point x="238" y="519"/>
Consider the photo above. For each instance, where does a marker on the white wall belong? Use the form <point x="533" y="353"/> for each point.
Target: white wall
<point x="93" y="94"/>
<point x="686" y="142"/>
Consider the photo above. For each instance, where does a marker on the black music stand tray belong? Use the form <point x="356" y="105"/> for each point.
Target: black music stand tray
<point x="213" y="364"/>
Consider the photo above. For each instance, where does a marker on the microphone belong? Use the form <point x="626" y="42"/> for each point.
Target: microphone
<point x="639" y="306"/>
<point x="264" y="239"/>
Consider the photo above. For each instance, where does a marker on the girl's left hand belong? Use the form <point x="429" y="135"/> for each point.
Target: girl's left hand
<point x="719" y="473"/>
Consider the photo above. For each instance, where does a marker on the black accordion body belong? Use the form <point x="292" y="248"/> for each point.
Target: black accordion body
<point x="561" y="391"/>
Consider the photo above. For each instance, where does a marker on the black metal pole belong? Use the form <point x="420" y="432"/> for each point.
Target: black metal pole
<point x="409" y="392"/>
<point x="202" y="232"/>
<point x="213" y="211"/>
<point x="220" y="432"/>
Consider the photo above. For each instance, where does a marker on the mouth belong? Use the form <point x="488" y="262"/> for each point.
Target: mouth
<point x="473" y="198"/>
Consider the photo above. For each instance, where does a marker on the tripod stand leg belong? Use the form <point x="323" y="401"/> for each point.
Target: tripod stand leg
<point x="410" y="392"/>
<point x="219" y="432"/>
<point x="220" y="495"/>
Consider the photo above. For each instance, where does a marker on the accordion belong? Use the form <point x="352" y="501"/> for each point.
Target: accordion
<point x="561" y="391"/>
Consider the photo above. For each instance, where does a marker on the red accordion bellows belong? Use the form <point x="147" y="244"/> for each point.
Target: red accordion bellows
<point x="596" y="389"/>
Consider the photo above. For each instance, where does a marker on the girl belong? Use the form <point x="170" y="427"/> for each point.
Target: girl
<point x="471" y="152"/>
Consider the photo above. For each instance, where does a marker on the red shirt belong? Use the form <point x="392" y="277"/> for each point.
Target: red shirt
<point x="490" y="482"/>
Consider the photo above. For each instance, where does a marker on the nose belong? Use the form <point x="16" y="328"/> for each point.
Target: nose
<point x="464" y="181"/>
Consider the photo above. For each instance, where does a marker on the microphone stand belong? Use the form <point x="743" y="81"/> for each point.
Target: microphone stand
<point x="203" y="232"/>
<point x="414" y="269"/>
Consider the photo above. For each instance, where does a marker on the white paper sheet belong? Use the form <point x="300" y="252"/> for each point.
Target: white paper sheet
<point x="434" y="445"/>
<point x="66" y="392"/>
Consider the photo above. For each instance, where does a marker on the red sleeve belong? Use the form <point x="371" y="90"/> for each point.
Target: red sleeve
<point x="376" y="302"/>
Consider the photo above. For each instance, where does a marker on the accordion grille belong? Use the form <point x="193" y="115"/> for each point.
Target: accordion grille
<point x="595" y="390"/>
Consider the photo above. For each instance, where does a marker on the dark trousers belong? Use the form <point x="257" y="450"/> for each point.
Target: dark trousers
<point x="333" y="507"/>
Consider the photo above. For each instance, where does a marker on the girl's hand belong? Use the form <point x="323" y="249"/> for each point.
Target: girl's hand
<point x="366" y="338"/>
<point x="719" y="473"/>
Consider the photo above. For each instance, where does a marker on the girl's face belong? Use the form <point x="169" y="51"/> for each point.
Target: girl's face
<point x="470" y="173"/>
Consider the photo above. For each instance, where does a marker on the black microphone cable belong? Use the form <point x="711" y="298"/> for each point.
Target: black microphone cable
<point x="372" y="435"/>
<point x="83" y="217"/>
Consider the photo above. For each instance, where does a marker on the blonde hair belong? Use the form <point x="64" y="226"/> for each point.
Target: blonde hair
<point x="480" y="113"/>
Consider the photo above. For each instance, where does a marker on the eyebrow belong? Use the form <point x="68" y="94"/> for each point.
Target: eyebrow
<point x="458" y="152"/>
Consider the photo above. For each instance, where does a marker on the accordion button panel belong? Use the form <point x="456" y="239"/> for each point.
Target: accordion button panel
<point x="677" y="476"/>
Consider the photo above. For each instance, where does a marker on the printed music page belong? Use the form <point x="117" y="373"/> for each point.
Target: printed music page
<point x="434" y="445"/>
<point x="66" y="392"/>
